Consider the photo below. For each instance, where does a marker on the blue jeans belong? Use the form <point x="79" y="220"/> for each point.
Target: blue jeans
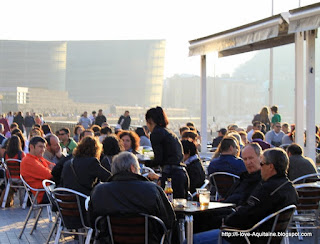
<point x="208" y="237"/>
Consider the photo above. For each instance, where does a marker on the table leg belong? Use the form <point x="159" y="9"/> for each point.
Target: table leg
<point x="189" y="223"/>
<point x="182" y="235"/>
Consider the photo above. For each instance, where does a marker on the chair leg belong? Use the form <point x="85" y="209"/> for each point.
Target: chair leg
<point x="26" y="221"/>
<point x="49" y="213"/>
<point x="25" y="200"/>
<point x="53" y="228"/>
<point x="89" y="234"/>
<point x="36" y="221"/>
<point x="81" y="239"/>
<point x="56" y="240"/>
<point x="6" y="194"/>
<point x="182" y="231"/>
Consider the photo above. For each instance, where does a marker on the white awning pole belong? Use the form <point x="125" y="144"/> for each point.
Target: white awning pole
<point x="299" y="91"/>
<point x="203" y="104"/>
<point x="310" y="76"/>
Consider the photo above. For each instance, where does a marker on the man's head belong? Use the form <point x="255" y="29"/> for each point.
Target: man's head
<point x="85" y="133"/>
<point x="27" y="114"/>
<point x="37" y="146"/>
<point x="64" y="134"/>
<point x="274" y="109"/>
<point x="294" y="149"/>
<point x="222" y="132"/>
<point x="13" y="126"/>
<point x="251" y="156"/>
<point x="125" y="162"/>
<point x="258" y="135"/>
<point x="256" y="125"/>
<point x="277" y="127"/>
<point x="183" y="129"/>
<point x="53" y="145"/>
<point x="94" y="113"/>
<point x="85" y="114"/>
<point x="126" y="113"/>
<point x="100" y="112"/>
<point x="274" y="161"/>
<point x="229" y="145"/>
<point x="285" y="128"/>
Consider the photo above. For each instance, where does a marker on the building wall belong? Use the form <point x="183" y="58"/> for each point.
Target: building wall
<point x="33" y="64"/>
<point x="116" y="72"/>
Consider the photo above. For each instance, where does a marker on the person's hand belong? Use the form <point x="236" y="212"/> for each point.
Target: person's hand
<point x="153" y="176"/>
<point x="59" y="153"/>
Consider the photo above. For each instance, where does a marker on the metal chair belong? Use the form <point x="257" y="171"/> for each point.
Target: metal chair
<point x="131" y="229"/>
<point x="308" y="209"/>
<point x="307" y="178"/>
<point x="34" y="206"/>
<point x="48" y="186"/>
<point x="71" y="217"/>
<point x="274" y="223"/>
<point x="222" y="181"/>
<point x="12" y="169"/>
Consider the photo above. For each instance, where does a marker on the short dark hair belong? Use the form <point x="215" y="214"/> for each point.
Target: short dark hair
<point x="190" y="124"/>
<point x="85" y="131"/>
<point x="66" y="130"/>
<point x="183" y="128"/>
<point x="279" y="158"/>
<point x="258" y="135"/>
<point x="274" y="108"/>
<point x="226" y="142"/>
<point x="111" y="145"/>
<point x="34" y="140"/>
<point x="295" y="149"/>
<point x="106" y="130"/>
<point x="189" y="147"/>
<point x="140" y="132"/>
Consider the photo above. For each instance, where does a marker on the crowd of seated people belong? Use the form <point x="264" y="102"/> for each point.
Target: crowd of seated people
<point x="96" y="161"/>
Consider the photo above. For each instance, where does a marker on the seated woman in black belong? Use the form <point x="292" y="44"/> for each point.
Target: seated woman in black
<point x="84" y="171"/>
<point x="168" y="154"/>
<point x="194" y="166"/>
<point x="111" y="147"/>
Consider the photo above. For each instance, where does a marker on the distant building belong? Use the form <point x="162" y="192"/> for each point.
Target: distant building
<point x="107" y="72"/>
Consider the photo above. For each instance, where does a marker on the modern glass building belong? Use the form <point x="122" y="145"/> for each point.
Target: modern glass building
<point x="127" y="72"/>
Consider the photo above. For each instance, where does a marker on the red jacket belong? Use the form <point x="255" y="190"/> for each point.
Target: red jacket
<point x="34" y="170"/>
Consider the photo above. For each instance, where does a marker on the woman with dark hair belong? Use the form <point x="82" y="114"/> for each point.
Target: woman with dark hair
<point x="46" y="129"/>
<point x="168" y="152"/>
<point x="77" y="131"/>
<point x="263" y="117"/>
<point x="111" y="147"/>
<point x="84" y="171"/>
<point x="18" y="133"/>
<point x="14" y="151"/>
<point x="144" y="140"/>
<point x="130" y="141"/>
<point x="194" y="166"/>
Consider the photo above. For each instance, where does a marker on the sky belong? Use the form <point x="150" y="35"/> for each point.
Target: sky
<point x="176" y="21"/>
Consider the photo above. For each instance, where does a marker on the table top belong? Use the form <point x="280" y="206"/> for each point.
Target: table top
<point x="194" y="207"/>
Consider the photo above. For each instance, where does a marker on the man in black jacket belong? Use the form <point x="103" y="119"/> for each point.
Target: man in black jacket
<point x="273" y="193"/>
<point x="127" y="192"/>
<point x="241" y="190"/>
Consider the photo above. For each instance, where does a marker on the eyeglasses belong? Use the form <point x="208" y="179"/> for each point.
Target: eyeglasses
<point x="261" y="164"/>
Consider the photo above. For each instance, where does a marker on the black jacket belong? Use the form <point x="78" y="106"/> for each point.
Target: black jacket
<point x="29" y="121"/>
<point x="129" y="193"/>
<point x="124" y="122"/>
<point x="100" y="119"/>
<point x="241" y="189"/>
<point x="196" y="174"/>
<point x="88" y="172"/>
<point x="166" y="146"/>
<point x="20" y="121"/>
<point x="268" y="197"/>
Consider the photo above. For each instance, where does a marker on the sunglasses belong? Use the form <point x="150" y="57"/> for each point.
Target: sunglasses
<point x="62" y="134"/>
<point x="261" y="164"/>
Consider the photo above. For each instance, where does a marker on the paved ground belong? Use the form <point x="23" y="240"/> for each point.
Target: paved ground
<point x="11" y="222"/>
<point x="12" y="219"/>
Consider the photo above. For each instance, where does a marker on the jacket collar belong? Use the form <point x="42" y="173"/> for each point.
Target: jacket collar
<point x="127" y="176"/>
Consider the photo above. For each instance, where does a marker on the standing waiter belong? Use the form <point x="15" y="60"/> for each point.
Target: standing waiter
<point x="168" y="152"/>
